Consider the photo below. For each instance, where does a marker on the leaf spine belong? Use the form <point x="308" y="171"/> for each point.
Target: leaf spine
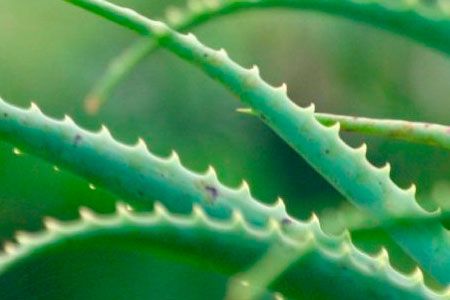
<point x="69" y="121"/>
<point x="386" y="169"/>
<point x="174" y="158"/>
<point x="141" y="146"/>
<point x="51" y="224"/>
<point x="34" y="108"/>
<point x="10" y="248"/>
<point x="361" y="150"/>
<point x="311" y="108"/>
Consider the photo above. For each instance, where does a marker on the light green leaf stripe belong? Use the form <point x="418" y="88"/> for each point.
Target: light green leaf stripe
<point x="227" y="246"/>
<point x="425" y="21"/>
<point x="347" y="169"/>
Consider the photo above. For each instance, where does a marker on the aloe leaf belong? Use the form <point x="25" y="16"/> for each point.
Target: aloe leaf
<point x="417" y="132"/>
<point x="227" y="246"/>
<point x="427" y="22"/>
<point x="347" y="169"/>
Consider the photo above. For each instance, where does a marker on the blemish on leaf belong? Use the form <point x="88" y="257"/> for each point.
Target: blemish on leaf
<point x="77" y="139"/>
<point x="212" y="191"/>
<point x="286" y="221"/>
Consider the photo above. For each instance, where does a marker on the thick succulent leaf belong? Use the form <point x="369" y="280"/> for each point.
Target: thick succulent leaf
<point x="416" y="132"/>
<point x="347" y="169"/>
<point x="132" y="172"/>
<point x="425" y="21"/>
<point x="226" y="246"/>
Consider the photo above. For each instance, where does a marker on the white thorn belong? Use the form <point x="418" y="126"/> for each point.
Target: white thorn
<point x="336" y="127"/>
<point x="254" y="70"/>
<point x="22" y="237"/>
<point x="311" y="108"/>
<point x="160" y="210"/>
<point x="313" y="219"/>
<point x="412" y="189"/>
<point x="51" y="224"/>
<point x="10" y="248"/>
<point x="386" y="169"/>
<point x="211" y="172"/>
<point x="141" y="145"/>
<point x="123" y="209"/>
<point x="174" y="157"/>
<point x="283" y="88"/>
<point x="383" y="257"/>
<point x="192" y="37"/>
<point x="244" y="187"/>
<point x="68" y="120"/>
<point x="362" y="149"/>
<point x="86" y="214"/>
<point x="105" y="131"/>
<point x="34" y="108"/>
<point x="417" y="276"/>
<point x="279" y="204"/>
<point x="222" y="52"/>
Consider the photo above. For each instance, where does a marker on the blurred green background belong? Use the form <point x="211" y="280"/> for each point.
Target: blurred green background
<point x="52" y="53"/>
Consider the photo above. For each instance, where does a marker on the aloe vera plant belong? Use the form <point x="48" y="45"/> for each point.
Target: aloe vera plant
<point x="197" y="220"/>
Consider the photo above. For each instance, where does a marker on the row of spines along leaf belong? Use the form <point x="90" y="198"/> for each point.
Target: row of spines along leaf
<point x="346" y="168"/>
<point x="64" y="143"/>
<point x="132" y="172"/>
<point x="198" y="11"/>
<point x="425" y="21"/>
<point x="232" y="242"/>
